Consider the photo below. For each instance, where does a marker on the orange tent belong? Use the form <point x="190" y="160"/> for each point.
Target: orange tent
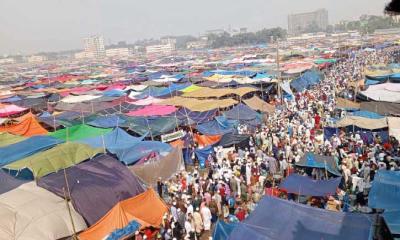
<point x="206" y="140"/>
<point x="178" y="143"/>
<point x="146" y="208"/>
<point x="27" y="126"/>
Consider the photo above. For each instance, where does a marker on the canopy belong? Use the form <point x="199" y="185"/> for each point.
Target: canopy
<point x="366" y="114"/>
<point x="7" y="139"/>
<point x="303" y="185"/>
<point x="219" y="92"/>
<point x="230" y="139"/>
<point x="152" y="126"/>
<point x="152" y="110"/>
<point x="9" y="182"/>
<point x="258" y="104"/>
<point x="362" y="122"/>
<point x="30" y="146"/>
<point x="392" y="219"/>
<point x="95" y="186"/>
<point x="383" y="108"/>
<point x="241" y="112"/>
<point x="385" y="191"/>
<point x="164" y="168"/>
<point x="199" y="105"/>
<point x="276" y="218"/>
<point x="78" y="132"/>
<point x="27" y="126"/>
<point x="305" y="81"/>
<point x="205" y="140"/>
<point x="189" y="117"/>
<point x="319" y="161"/>
<point x="61" y="156"/>
<point x="146" y="208"/>
<point x="142" y="149"/>
<point x="346" y="104"/>
<point x="222" y="230"/>
<point x="7" y="110"/>
<point x="214" y="127"/>
<point x="31" y="212"/>
<point x="107" y="121"/>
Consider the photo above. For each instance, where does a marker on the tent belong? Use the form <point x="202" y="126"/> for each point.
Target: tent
<point x="27" y="126"/>
<point x="147" y="209"/>
<point x="383" y="108"/>
<point x="230" y="139"/>
<point x="222" y="230"/>
<point x="153" y="126"/>
<point x="385" y="191"/>
<point x="198" y="105"/>
<point x="218" y="126"/>
<point x="319" y="161"/>
<point x="25" y="148"/>
<point x="392" y="219"/>
<point x="79" y="132"/>
<point x="31" y="212"/>
<point x="305" y="81"/>
<point x="188" y="117"/>
<point x="366" y="114"/>
<point x="61" y="156"/>
<point x="362" y="122"/>
<point x="206" y="140"/>
<point x="258" y="104"/>
<point x="163" y="168"/>
<point x="95" y="185"/>
<point x="394" y="127"/>
<point x="8" y="182"/>
<point x="219" y="92"/>
<point x="7" y="139"/>
<point x="7" y="110"/>
<point x="107" y="121"/>
<point x="152" y="110"/>
<point x="142" y="149"/>
<point x="346" y="104"/>
<point x="303" y="185"/>
<point x="276" y="218"/>
<point x="241" y="112"/>
<point x="202" y="154"/>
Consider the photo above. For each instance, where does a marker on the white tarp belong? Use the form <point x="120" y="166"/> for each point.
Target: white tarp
<point x="394" y="127"/>
<point x="386" y="92"/>
<point x="78" y="99"/>
<point x="30" y="212"/>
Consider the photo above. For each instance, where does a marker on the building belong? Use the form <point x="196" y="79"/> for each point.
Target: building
<point x="94" y="47"/>
<point x="308" y="22"/>
<point x="161" y="49"/>
<point x="8" y="60"/>
<point x="118" y="52"/>
<point x="36" y="59"/>
<point x="201" y="44"/>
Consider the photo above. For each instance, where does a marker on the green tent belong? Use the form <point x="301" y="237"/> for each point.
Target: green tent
<point x="62" y="156"/>
<point x="322" y="61"/>
<point x="78" y="132"/>
<point x="7" y="139"/>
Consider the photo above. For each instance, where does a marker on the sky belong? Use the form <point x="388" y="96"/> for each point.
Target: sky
<point x="30" y="26"/>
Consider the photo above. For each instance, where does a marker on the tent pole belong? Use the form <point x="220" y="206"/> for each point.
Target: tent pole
<point x="66" y="201"/>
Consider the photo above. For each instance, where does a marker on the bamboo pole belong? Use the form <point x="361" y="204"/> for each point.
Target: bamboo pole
<point x="68" y="207"/>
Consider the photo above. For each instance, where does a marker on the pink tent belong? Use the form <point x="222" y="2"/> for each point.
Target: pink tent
<point x="152" y="110"/>
<point x="7" y="110"/>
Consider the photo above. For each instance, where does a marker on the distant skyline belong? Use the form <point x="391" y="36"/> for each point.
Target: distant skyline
<point x="28" y="26"/>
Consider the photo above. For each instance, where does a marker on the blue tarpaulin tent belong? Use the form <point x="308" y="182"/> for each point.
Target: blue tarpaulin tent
<point x="214" y="127"/>
<point x="202" y="155"/>
<point x="187" y="117"/>
<point x="392" y="219"/>
<point x="107" y="121"/>
<point x="306" y="80"/>
<point x="366" y="114"/>
<point x="124" y="232"/>
<point x="319" y="161"/>
<point x="30" y="146"/>
<point x="385" y="191"/>
<point x="9" y="182"/>
<point x="241" y="112"/>
<point x="303" y="185"/>
<point x="222" y="230"/>
<point x="276" y="218"/>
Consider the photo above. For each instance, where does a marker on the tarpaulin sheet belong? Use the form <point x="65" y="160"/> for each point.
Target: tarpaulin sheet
<point x="146" y="208"/>
<point x="219" y="92"/>
<point x="230" y="139"/>
<point x="383" y="108"/>
<point x="319" y="161"/>
<point x="152" y="110"/>
<point x="78" y="132"/>
<point x="188" y="117"/>
<point x="329" y="132"/>
<point x="164" y="168"/>
<point x="28" y="126"/>
<point x="303" y="185"/>
<point x="366" y="114"/>
<point x="52" y="160"/>
<point x="214" y="128"/>
<point x="206" y="140"/>
<point x="393" y="124"/>
<point x="258" y="104"/>
<point x="124" y="232"/>
<point x="32" y="145"/>
<point x="222" y="230"/>
<point x="385" y="191"/>
<point x="202" y="155"/>
<point x="276" y="218"/>
<point x="346" y="104"/>
<point x="305" y="81"/>
<point x="95" y="185"/>
<point x="7" y="139"/>
<point x="31" y="212"/>
<point x="9" y="182"/>
<point x="199" y="105"/>
<point x="241" y="112"/>
<point x="153" y="126"/>
<point x="7" y="110"/>
<point x="141" y="149"/>
<point x="362" y="122"/>
<point x="392" y="219"/>
<point x="107" y="121"/>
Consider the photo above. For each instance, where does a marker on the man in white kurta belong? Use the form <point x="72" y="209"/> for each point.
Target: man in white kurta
<point x="206" y="215"/>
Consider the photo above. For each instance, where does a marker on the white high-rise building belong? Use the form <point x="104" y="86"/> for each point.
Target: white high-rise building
<point x="94" y="46"/>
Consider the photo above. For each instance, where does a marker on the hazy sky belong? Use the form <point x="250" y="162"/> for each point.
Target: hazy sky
<point x="28" y="26"/>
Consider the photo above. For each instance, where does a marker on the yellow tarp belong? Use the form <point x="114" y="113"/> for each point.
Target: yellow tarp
<point x="258" y="104"/>
<point x="219" y="92"/>
<point x="199" y="105"/>
<point x="344" y="103"/>
<point x="191" y="88"/>
<point x="7" y="139"/>
<point x="146" y="208"/>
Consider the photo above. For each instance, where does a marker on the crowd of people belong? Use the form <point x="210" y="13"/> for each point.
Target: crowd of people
<point x="236" y="178"/>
